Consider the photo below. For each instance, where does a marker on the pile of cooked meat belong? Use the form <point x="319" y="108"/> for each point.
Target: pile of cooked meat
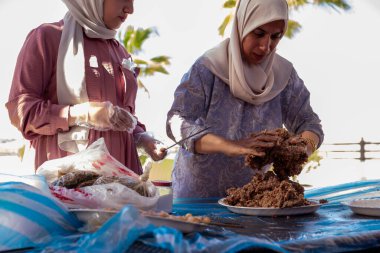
<point x="82" y="178"/>
<point x="288" y="155"/>
<point x="267" y="191"/>
<point x="274" y="189"/>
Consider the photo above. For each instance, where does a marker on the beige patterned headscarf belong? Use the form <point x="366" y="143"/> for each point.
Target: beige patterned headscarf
<point x="84" y="16"/>
<point x="259" y="83"/>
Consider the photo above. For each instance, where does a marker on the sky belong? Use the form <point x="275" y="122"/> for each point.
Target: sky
<point x="337" y="54"/>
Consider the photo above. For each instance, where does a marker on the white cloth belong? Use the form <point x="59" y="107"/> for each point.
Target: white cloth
<point x="257" y="83"/>
<point x="83" y="16"/>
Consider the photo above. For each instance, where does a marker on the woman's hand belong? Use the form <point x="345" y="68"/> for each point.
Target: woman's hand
<point x="122" y="120"/>
<point x="312" y="141"/>
<point x="254" y="145"/>
<point x="101" y="116"/>
<point x="149" y="144"/>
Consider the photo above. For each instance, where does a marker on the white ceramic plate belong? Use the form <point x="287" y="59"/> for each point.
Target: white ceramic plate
<point x="263" y="211"/>
<point x="370" y="207"/>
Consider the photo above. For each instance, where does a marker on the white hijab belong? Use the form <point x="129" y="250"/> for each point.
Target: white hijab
<point x="259" y="83"/>
<point x="83" y="16"/>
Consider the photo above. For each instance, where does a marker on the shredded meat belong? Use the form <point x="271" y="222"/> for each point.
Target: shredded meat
<point x="288" y="155"/>
<point x="79" y="178"/>
<point x="267" y="191"/>
<point x="139" y="186"/>
<point x="274" y="189"/>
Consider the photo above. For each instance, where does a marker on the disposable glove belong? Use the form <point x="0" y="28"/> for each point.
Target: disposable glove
<point x="150" y="145"/>
<point x="101" y="116"/>
<point x="122" y="120"/>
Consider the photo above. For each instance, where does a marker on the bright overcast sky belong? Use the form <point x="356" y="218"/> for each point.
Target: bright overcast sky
<point x="336" y="54"/>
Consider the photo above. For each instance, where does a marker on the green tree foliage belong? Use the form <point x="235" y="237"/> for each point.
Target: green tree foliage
<point x="133" y="40"/>
<point x="313" y="161"/>
<point x="294" y="5"/>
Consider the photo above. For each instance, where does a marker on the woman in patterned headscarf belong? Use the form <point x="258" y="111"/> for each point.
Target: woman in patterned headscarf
<point x="239" y="87"/>
<point x="74" y="83"/>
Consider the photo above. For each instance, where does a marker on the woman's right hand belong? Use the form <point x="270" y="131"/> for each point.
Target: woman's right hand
<point x="101" y="116"/>
<point x="250" y="146"/>
<point x="210" y="143"/>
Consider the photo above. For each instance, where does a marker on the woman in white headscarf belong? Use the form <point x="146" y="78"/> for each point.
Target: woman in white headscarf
<point x="239" y="87"/>
<point x="74" y="83"/>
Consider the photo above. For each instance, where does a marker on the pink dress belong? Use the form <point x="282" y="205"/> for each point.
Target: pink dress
<point x="33" y="105"/>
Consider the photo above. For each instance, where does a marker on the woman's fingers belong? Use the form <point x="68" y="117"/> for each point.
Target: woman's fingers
<point x="255" y="152"/>
<point x="259" y="144"/>
<point x="122" y="120"/>
<point x="295" y="140"/>
<point x="158" y="154"/>
<point x="255" y="143"/>
<point x="239" y="150"/>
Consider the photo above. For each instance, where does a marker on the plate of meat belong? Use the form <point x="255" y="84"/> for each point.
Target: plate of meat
<point x="273" y="193"/>
<point x="272" y="211"/>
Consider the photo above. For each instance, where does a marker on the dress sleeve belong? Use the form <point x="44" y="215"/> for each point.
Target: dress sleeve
<point x="190" y="104"/>
<point x="140" y="128"/>
<point x="29" y="106"/>
<point x="298" y="113"/>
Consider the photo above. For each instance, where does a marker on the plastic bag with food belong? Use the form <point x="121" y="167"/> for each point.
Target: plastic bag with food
<point x="92" y="178"/>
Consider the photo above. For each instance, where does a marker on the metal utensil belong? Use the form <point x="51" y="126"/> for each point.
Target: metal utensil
<point x="184" y="139"/>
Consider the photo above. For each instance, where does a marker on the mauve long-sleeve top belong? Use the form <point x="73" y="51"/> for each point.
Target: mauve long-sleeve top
<point x="33" y="105"/>
<point x="204" y="100"/>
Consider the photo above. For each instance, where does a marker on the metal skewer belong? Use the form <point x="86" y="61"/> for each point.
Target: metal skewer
<point x="191" y="135"/>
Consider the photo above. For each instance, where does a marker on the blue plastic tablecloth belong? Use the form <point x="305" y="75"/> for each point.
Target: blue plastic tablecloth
<point x="333" y="228"/>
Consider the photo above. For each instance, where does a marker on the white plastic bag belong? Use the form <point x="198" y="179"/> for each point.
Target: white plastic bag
<point x="96" y="159"/>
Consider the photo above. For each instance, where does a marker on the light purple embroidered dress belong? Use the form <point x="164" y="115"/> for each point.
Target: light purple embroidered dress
<point x="203" y="100"/>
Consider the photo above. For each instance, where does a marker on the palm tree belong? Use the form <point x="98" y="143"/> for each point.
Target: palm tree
<point x="133" y="40"/>
<point x="293" y="26"/>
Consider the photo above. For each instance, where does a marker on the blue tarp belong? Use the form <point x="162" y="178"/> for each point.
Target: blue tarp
<point x="333" y="228"/>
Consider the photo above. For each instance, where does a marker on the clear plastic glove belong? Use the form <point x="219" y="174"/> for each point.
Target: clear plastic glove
<point x="122" y="120"/>
<point x="151" y="146"/>
<point x="101" y="116"/>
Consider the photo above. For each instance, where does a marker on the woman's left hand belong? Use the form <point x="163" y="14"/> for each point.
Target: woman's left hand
<point x="312" y="141"/>
<point x="157" y="154"/>
<point x="149" y="144"/>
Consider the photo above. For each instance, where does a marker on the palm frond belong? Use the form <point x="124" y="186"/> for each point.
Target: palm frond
<point x="128" y="34"/>
<point x="337" y="5"/>
<point x="140" y="61"/>
<point x="223" y="26"/>
<point x="163" y="59"/>
<point x="142" y="35"/>
<point x="295" y="4"/>
<point x="229" y="4"/>
<point x="153" y="66"/>
<point x="293" y="28"/>
<point x="134" y="39"/>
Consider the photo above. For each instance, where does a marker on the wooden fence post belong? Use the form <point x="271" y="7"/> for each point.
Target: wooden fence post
<point x="362" y="150"/>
